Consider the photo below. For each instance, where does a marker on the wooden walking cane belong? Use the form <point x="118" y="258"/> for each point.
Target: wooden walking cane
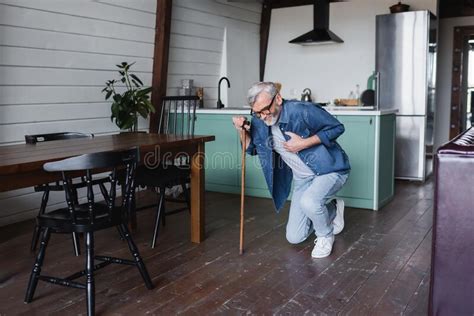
<point x="242" y="188"/>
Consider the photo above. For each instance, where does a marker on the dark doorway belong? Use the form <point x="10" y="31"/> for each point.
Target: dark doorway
<point x="462" y="92"/>
<point x="469" y="82"/>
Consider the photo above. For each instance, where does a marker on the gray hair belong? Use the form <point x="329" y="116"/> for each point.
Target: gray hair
<point x="259" y="87"/>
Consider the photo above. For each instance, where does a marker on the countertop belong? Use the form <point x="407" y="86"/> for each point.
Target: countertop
<point x="332" y="110"/>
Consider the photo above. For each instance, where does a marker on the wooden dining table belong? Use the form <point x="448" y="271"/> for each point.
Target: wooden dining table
<point x="21" y="165"/>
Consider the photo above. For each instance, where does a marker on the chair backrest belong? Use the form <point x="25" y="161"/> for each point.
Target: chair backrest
<point x="37" y="138"/>
<point x="178" y="115"/>
<point x="120" y="160"/>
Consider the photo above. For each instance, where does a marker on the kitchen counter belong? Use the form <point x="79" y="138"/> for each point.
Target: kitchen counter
<point x="368" y="140"/>
<point x="333" y="110"/>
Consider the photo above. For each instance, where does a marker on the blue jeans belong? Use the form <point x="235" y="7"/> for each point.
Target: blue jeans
<point x="313" y="206"/>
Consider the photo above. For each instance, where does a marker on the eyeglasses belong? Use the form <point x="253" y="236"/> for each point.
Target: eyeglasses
<point x="265" y="110"/>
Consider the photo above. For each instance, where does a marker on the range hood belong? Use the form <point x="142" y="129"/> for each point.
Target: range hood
<point x="320" y="34"/>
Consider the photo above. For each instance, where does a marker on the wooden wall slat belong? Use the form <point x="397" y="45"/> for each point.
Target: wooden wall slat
<point x="54" y="59"/>
<point x="160" y="63"/>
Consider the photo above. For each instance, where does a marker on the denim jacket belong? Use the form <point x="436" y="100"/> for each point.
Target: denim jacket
<point x="304" y="119"/>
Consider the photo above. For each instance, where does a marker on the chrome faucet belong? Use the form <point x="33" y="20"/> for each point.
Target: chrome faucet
<point x="220" y="105"/>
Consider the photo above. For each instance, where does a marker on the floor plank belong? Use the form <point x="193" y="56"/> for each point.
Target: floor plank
<point x="379" y="265"/>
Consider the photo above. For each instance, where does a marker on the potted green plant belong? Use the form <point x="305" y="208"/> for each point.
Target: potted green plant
<point x="134" y="101"/>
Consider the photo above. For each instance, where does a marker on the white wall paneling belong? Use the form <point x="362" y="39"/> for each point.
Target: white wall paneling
<point x="77" y="43"/>
<point x="195" y="29"/>
<point x="254" y="6"/>
<point x="32" y="57"/>
<point x="147" y="6"/>
<point x="191" y="42"/>
<point x="48" y="94"/>
<point x="24" y="76"/>
<point x="199" y="31"/>
<point x="193" y="68"/>
<point x="184" y="11"/>
<point x="55" y="57"/>
<point x="33" y="113"/>
<point x="90" y="10"/>
<point x="242" y="65"/>
<point x="35" y="18"/>
<point x="206" y="81"/>
<point x="194" y="55"/>
<point x="221" y="9"/>
<point x="15" y="132"/>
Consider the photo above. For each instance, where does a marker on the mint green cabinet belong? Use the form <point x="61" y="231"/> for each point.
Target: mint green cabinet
<point x="255" y="183"/>
<point x="222" y="161"/>
<point x="224" y="155"/>
<point x="368" y="141"/>
<point x="358" y="143"/>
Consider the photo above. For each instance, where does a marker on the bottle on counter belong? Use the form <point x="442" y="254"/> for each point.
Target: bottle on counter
<point x="200" y="94"/>
<point x="357" y="94"/>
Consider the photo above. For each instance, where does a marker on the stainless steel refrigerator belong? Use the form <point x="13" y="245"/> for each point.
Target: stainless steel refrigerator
<point x="406" y="71"/>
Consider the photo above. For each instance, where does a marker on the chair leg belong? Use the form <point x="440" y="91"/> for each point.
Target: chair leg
<point x="159" y="214"/>
<point x="163" y="215"/>
<point x="186" y="195"/>
<point x="120" y="233"/>
<point x="75" y="244"/>
<point x="136" y="255"/>
<point x="103" y="190"/>
<point x="35" y="273"/>
<point x="35" y="238"/>
<point x="90" y="285"/>
<point x="132" y="209"/>
<point x="75" y="196"/>
<point x="37" y="231"/>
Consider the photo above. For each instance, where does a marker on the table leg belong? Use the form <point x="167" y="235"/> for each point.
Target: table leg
<point x="197" y="195"/>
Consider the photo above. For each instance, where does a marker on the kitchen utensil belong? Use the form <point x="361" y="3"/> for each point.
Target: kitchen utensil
<point x="200" y="94"/>
<point x="306" y="95"/>
<point x="399" y="7"/>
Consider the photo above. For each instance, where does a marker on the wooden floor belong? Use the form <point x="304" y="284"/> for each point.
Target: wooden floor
<point x="379" y="265"/>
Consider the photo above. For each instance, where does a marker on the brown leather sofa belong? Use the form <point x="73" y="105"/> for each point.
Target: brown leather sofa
<point x="452" y="262"/>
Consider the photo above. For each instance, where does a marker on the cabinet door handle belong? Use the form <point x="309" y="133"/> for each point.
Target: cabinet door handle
<point x="370" y="122"/>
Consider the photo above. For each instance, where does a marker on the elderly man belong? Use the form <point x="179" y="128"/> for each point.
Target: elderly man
<point x="297" y="140"/>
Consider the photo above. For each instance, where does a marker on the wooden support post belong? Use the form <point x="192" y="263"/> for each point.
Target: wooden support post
<point x="160" y="59"/>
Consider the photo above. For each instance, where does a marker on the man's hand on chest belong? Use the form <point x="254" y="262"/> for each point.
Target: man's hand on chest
<point x="296" y="143"/>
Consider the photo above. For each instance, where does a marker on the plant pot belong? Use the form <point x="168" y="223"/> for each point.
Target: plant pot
<point x="399" y="7"/>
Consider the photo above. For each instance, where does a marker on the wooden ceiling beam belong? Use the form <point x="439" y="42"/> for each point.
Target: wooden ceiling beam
<point x="264" y="32"/>
<point x="160" y="59"/>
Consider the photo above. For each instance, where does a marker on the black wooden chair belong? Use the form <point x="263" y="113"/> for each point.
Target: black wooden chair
<point x="88" y="218"/>
<point x="177" y="116"/>
<point x="49" y="187"/>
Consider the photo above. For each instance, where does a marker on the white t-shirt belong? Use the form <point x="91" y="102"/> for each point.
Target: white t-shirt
<point x="299" y="168"/>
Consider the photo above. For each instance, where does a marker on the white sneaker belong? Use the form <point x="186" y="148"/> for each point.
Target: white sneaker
<point x="338" y="222"/>
<point x="322" y="247"/>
